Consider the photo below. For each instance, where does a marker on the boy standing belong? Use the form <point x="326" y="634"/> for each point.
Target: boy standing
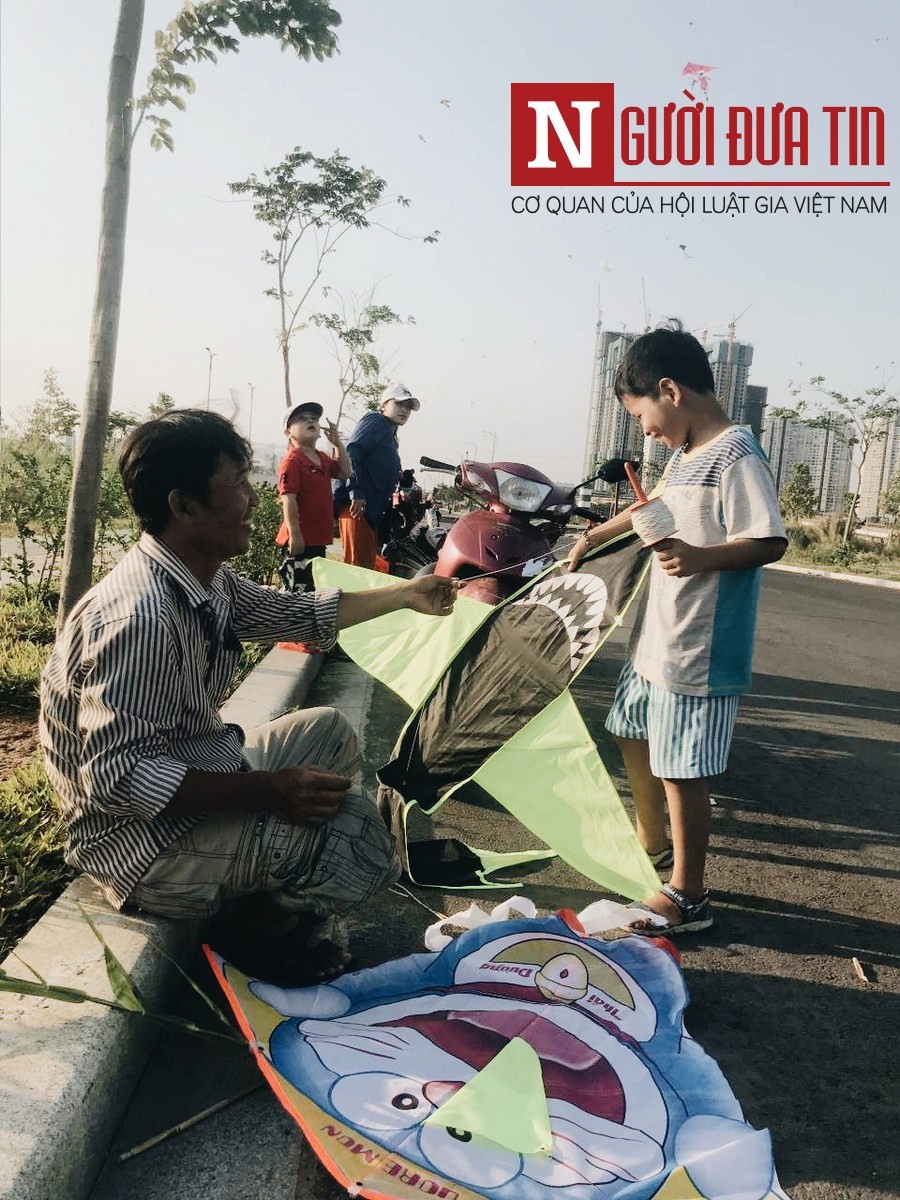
<point x="304" y="484"/>
<point x="676" y="701"/>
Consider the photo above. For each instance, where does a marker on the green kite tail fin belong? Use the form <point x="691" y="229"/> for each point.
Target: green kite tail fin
<point x="504" y="1103"/>
<point x="550" y="776"/>
<point x="447" y="863"/>
<point x="405" y="650"/>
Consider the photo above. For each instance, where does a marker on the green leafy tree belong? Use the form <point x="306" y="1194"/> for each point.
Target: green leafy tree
<point x="310" y="202"/>
<point x="260" y="563"/>
<point x="890" y="505"/>
<point x="35" y="475"/>
<point x="859" y="422"/>
<point x="162" y="404"/>
<point x="35" y="480"/>
<point x="200" y="31"/>
<point x="352" y="328"/>
<point x="798" y="497"/>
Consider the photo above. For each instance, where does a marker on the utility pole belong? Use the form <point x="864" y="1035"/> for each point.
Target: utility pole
<point x="250" y="419"/>
<point x="209" y="377"/>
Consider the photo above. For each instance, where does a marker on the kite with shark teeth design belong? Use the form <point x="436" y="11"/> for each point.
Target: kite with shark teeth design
<point x="524" y="1061"/>
<point x="494" y="714"/>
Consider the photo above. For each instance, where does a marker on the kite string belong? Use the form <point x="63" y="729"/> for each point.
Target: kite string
<point x="510" y="567"/>
<point x="399" y="890"/>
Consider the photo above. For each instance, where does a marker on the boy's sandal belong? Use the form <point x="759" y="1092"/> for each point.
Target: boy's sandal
<point x="693" y="915"/>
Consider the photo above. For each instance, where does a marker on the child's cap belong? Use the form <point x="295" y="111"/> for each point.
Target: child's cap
<point x="300" y="410"/>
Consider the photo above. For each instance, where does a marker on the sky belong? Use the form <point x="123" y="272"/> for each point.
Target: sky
<point x="505" y="305"/>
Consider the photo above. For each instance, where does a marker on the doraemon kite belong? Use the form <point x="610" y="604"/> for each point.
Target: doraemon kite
<point x="636" y="1108"/>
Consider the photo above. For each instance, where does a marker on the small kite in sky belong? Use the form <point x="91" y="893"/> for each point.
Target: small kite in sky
<point x="446" y="103"/>
<point x="684" y="248"/>
<point x="699" y="74"/>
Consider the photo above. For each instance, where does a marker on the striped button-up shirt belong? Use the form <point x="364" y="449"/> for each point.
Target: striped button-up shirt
<point x="130" y="700"/>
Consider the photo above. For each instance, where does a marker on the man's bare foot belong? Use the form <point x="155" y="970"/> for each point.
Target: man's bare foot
<point x="325" y="960"/>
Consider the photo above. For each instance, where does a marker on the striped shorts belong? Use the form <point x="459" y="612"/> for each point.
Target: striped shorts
<point x="689" y="736"/>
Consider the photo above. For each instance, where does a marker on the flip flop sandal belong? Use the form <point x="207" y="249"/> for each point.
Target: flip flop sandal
<point x="693" y="915"/>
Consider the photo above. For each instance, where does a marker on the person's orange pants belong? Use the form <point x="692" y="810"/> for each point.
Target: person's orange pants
<point x="357" y="539"/>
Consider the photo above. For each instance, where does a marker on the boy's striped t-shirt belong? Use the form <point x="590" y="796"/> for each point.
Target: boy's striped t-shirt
<point x="697" y="633"/>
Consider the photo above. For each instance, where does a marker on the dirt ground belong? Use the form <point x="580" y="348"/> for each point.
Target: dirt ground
<point x="18" y="740"/>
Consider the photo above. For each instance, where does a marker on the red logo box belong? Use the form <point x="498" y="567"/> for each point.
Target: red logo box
<point x="562" y="134"/>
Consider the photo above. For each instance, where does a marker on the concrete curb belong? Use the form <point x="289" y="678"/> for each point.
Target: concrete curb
<point x="843" y="577"/>
<point x="67" y="1071"/>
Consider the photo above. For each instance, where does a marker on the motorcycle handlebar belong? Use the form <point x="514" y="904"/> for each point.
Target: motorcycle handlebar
<point x="589" y="514"/>
<point x="434" y="464"/>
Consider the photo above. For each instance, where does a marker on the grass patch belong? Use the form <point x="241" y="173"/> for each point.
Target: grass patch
<point x="818" y="544"/>
<point x="27" y="632"/>
<point x="33" y="871"/>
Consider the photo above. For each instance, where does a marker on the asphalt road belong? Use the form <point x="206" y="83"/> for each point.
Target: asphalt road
<point x="804" y="871"/>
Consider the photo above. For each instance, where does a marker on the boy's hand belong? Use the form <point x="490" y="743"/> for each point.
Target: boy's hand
<point x="332" y="433"/>
<point x="577" y="552"/>
<point x="296" y="546"/>
<point x="679" y="559"/>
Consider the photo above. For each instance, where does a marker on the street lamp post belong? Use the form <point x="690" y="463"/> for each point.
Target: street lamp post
<point x="209" y="377"/>
<point x="250" y="420"/>
<point x="493" y="438"/>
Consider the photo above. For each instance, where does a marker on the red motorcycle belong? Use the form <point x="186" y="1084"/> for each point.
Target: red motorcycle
<point x="511" y="537"/>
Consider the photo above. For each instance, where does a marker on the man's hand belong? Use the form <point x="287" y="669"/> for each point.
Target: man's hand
<point x="679" y="559"/>
<point x="305" y="795"/>
<point x="432" y="595"/>
<point x="357" y="508"/>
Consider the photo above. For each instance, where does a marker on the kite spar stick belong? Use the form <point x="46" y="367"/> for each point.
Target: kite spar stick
<point x="635" y="483"/>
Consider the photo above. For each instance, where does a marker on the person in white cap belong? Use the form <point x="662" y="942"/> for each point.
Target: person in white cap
<point x="304" y="485"/>
<point x="375" y="462"/>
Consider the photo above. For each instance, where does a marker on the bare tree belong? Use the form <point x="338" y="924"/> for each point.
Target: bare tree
<point x="315" y="202"/>
<point x="352" y="328"/>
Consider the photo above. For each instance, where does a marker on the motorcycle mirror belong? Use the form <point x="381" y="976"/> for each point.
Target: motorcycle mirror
<point x="613" y="470"/>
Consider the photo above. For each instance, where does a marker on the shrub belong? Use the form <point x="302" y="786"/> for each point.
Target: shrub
<point x="260" y="563"/>
<point x="33" y="871"/>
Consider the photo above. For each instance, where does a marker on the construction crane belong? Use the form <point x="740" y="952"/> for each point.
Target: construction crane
<point x="729" y="361"/>
<point x="646" y="314"/>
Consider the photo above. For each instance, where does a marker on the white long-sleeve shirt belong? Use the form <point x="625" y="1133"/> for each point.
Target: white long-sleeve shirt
<point x="130" y="699"/>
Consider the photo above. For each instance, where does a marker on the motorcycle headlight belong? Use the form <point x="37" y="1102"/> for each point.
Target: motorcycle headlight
<point x="523" y="495"/>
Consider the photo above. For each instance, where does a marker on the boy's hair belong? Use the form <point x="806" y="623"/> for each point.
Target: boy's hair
<point x="181" y="450"/>
<point x="666" y="352"/>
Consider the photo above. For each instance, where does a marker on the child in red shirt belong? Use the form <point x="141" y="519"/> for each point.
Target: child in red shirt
<point x="304" y="485"/>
